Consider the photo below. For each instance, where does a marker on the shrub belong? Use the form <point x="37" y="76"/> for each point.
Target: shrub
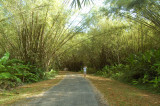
<point x="141" y="68"/>
<point x="112" y="71"/>
<point x="91" y="70"/>
<point x="144" y="67"/>
<point x="51" y="74"/>
<point x="14" y="72"/>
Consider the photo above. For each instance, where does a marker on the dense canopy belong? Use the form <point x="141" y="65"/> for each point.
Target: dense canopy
<point x="119" y="40"/>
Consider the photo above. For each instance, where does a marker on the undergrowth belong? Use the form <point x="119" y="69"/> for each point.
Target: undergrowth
<point x="14" y="72"/>
<point x="141" y="70"/>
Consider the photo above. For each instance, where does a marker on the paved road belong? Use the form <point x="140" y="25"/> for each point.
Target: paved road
<point x="74" y="90"/>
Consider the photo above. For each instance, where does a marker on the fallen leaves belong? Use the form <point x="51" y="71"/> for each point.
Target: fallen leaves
<point x="120" y="94"/>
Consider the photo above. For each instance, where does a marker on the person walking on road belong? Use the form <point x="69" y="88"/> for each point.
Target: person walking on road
<point x="85" y="71"/>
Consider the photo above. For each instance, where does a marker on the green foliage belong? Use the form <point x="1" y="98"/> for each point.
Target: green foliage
<point x="112" y="71"/>
<point x="41" y="34"/>
<point x="142" y="68"/>
<point x="145" y="12"/>
<point x="51" y="74"/>
<point x="91" y="70"/>
<point x="34" y="31"/>
<point x="14" y="72"/>
<point x="4" y="59"/>
<point x="145" y="67"/>
<point x="79" y="3"/>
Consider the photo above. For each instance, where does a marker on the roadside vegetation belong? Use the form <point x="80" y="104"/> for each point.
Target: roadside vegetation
<point x="140" y="69"/>
<point x="119" y="40"/>
<point x="11" y="74"/>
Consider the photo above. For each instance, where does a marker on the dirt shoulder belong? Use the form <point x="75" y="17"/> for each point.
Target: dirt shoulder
<point x="27" y="91"/>
<point x="119" y="94"/>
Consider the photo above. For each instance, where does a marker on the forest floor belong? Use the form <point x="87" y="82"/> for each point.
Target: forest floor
<point x="120" y="94"/>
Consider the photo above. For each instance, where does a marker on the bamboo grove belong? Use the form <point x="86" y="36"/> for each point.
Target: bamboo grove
<point x="120" y="40"/>
<point x="31" y="35"/>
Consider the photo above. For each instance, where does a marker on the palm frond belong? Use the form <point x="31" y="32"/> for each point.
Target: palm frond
<point x="79" y="3"/>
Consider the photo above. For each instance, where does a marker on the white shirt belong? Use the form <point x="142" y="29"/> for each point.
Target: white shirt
<point x="85" y="69"/>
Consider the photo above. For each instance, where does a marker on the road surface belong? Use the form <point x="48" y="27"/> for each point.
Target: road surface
<point x="73" y="90"/>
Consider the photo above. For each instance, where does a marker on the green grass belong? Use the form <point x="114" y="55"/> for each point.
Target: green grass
<point x="148" y="88"/>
